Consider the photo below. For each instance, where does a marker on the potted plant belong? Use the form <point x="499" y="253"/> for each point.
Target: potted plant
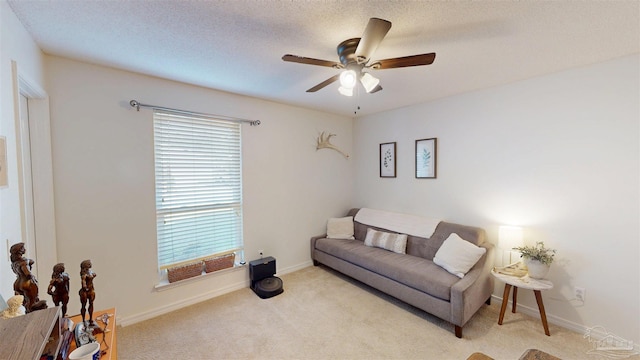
<point x="538" y="259"/>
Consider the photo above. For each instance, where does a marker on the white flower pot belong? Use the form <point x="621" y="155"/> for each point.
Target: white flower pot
<point x="536" y="269"/>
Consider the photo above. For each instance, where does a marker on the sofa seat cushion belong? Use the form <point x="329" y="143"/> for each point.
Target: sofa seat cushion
<point x="416" y="272"/>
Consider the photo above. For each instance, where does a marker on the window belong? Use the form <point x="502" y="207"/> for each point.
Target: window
<point x="198" y="187"/>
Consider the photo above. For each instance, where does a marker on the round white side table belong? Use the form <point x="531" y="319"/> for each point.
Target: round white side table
<point x="524" y="282"/>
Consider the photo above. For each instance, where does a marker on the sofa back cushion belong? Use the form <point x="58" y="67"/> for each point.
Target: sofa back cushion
<point x="426" y="247"/>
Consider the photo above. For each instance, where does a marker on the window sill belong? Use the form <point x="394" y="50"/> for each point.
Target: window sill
<point x="164" y="283"/>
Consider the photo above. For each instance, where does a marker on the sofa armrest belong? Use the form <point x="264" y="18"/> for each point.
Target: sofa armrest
<point x="313" y="243"/>
<point x="468" y="294"/>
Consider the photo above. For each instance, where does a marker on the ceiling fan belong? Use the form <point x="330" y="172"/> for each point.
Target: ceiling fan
<point x="355" y="56"/>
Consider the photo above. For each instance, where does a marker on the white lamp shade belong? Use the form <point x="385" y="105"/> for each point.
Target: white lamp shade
<point x="509" y="237"/>
<point x="369" y="82"/>
<point x="348" y="79"/>
<point x="345" y="91"/>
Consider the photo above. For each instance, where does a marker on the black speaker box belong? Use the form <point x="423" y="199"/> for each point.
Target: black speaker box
<point x="262" y="268"/>
<point x="263" y="283"/>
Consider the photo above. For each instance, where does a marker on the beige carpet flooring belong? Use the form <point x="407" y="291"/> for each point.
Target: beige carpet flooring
<point x="325" y="315"/>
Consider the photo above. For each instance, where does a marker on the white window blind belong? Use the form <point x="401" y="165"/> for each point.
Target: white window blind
<point x="198" y="187"/>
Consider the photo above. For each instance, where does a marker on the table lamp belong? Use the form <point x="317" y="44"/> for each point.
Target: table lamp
<point x="509" y="237"/>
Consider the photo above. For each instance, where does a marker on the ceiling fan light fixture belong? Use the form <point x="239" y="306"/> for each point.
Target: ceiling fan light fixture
<point x="348" y="79"/>
<point x="369" y="82"/>
<point x="345" y="91"/>
<point x="355" y="54"/>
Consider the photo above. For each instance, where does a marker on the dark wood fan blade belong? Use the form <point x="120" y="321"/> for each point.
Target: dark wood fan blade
<point x="310" y="61"/>
<point x="376" y="89"/>
<point x="375" y="31"/>
<point x="324" y="83"/>
<point x="413" y="60"/>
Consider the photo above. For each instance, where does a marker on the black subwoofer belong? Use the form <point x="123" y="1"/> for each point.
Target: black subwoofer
<point x="263" y="281"/>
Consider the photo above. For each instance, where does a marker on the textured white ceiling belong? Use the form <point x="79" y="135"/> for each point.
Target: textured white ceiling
<point x="236" y="46"/>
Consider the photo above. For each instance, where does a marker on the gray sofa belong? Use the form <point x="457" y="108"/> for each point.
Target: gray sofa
<point x="413" y="277"/>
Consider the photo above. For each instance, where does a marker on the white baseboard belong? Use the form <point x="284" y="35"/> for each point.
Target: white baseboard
<point x="556" y="320"/>
<point x="534" y="312"/>
<point x="295" y="268"/>
<point x="130" y="320"/>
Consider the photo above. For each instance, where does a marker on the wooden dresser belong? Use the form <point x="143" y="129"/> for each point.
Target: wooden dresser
<point x="31" y="336"/>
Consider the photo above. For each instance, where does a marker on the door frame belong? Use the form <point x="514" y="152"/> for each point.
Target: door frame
<point x="43" y="206"/>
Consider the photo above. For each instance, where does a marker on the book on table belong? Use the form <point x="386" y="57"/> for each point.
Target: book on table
<point x="517" y="269"/>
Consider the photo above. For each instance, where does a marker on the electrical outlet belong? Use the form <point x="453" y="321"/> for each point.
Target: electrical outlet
<point x="579" y="293"/>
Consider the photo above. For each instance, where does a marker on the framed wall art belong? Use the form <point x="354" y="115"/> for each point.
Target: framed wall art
<point x="388" y="160"/>
<point x="426" y="159"/>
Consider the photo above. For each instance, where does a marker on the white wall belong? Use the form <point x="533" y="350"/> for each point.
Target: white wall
<point x="104" y="182"/>
<point x="15" y="46"/>
<point x="558" y="155"/>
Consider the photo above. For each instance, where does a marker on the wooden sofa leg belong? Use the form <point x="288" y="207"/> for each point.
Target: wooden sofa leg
<point x="316" y="263"/>
<point x="458" y="331"/>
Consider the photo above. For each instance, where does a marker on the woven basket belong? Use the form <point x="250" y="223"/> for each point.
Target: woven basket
<point x="219" y="263"/>
<point x="184" y="272"/>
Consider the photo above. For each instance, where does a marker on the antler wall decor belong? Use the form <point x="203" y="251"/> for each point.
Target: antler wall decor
<point x="323" y="143"/>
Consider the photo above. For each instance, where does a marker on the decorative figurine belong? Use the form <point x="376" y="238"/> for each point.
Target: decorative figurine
<point x="26" y="283"/>
<point x="59" y="287"/>
<point x="87" y="292"/>
<point x="85" y="331"/>
<point x="15" y="307"/>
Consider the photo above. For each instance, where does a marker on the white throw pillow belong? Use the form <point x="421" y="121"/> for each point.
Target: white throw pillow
<point x="388" y="241"/>
<point x="457" y="255"/>
<point x="340" y="228"/>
